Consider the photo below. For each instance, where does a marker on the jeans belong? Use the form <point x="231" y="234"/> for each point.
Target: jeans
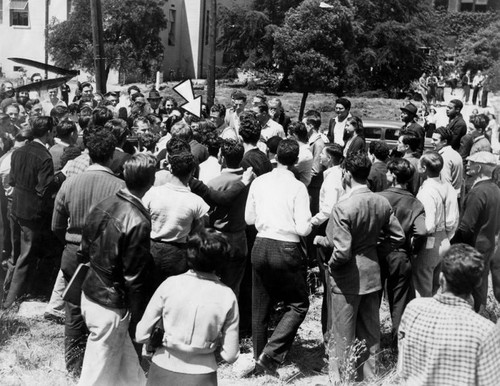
<point x="170" y="260"/>
<point x="278" y="275"/>
<point x="110" y="357"/>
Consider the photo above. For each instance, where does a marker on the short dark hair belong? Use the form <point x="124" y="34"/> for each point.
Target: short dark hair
<point x="139" y="171"/>
<point x="299" y="130"/>
<point x="65" y="128"/>
<point x="433" y="162"/>
<point x="101" y="115"/>
<point x="288" y="152"/>
<point x="402" y="169"/>
<point x="119" y="128"/>
<point x="458" y="104"/>
<point x="85" y="84"/>
<point x="462" y="267"/>
<point x="344" y="102"/>
<point x="58" y="112"/>
<point x="182" y="164"/>
<point x="42" y="125"/>
<point x="207" y="250"/>
<point x="445" y="133"/>
<point x="133" y="87"/>
<point x="34" y="75"/>
<point x="213" y="144"/>
<point x="313" y="118"/>
<point x="232" y="151"/>
<point x="273" y="143"/>
<point x="335" y="151"/>
<point x="218" y="108"/>
<point x="480" y="122"/>
<point x="379" y="149"/>
<point x="73" y="108"/>
<point x="84" y="121"/>
<point x="263" y="108"/>
<point x="239" y="95"/>
<point x="177" y="145"/>
<point x="101" y="144"/>
<point x="411" y="140"/>
<point x="359" y="165"/>
<point x="250" y="127"/>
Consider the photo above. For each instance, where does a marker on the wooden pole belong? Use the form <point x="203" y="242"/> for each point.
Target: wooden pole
<point x="97" y="32"/>
<point x="212" y="36"/>
<point x="47" y="3"/>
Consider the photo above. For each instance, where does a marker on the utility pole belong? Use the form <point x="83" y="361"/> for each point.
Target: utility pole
<point x="97" y="32"/>
<point x="212" y="35"/>
<point x="47" y="3"/>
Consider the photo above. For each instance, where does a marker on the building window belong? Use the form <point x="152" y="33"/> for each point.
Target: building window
<point x="171" y="32"/>
<point x="473" y="5"/>
<point x="19" y="13"/>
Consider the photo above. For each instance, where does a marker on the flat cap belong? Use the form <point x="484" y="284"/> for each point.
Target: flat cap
<point x="483" y="157"/>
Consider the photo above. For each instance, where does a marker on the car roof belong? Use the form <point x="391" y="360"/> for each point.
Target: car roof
<point x="382" y="123"/>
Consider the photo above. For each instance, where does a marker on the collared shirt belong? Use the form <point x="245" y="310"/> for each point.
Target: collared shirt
<point x="338" y="130"/>
<point x="316" y="144"/>
<point x="442" y="341"/>
<point x="209" y="169"/>
<point x="304" y="164"/>
<point x="272" y="129"/>
<point x="278" y="205"/>
<point x="440" y="205"/>
<point x="199" y="314"/>
<point x="453" y="168"/>
<point x="173" y="210"/>
<point x="330" y="193"/>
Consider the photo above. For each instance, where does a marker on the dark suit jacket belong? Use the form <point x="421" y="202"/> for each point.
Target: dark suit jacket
<point x="418" y="131"/>
<point x="355" y="226"/>
<point x="377" y="179"/>
<point x="32" y="176"/>
<point x="459" y="128"/>
<point x="357" y="144"/>
<point x="411" y="215"/>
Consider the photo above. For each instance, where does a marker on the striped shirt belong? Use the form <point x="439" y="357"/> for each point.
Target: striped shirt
<point x="442" y="341"/>
<point x="78" y="195"/>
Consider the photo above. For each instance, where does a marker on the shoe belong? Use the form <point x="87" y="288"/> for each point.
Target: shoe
<point x="268" y="364"/>
<point x="53" y="317"/>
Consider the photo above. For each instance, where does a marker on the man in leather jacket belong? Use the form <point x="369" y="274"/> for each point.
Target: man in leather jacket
<point x="116" y="241"/>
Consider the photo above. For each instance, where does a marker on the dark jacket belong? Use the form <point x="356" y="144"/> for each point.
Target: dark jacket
<point x="459" y="128"/>
<point x="257" y="160"/>
<point x="357" y="144"/>
<point x="411" y="215"/>
<point x="116" y="241"/>
<point x="480" y="222"/>
<point x="119" y="159"/>
<point x="377" y="179"/>
<point x="417" y="130"/>
<point x="32" y="176"/>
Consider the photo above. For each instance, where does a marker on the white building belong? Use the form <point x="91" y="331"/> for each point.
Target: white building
<point x="22" y="31"/>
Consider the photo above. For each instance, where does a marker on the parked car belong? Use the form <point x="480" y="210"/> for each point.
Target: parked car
<point x="386" y="130"/>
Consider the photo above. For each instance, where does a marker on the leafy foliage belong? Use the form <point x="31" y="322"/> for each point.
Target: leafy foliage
<point x="464" y="24"/>
<point x="131" y="36"/>
<point x="482" y="52"/>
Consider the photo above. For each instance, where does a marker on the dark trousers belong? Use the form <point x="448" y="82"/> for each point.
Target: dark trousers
<point x="232" y="270"/>
<point x="395" y="271"/>
<point x="484" y="98"/>
<point x="75" y="330"/>
<point x="7" y="240"/>
<point x="159" y="376"/>
<point x="170" y="260"/>
<point x="355" y="317"/>
<point x="475" y="94"/>
<point x="23" y="266"/>
<point x="245" y="295"/>
<point x="466" y="89"/>
<point x="278" y="275"/>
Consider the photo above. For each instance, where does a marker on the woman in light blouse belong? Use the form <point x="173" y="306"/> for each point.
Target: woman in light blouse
<point x="199" y="315"/>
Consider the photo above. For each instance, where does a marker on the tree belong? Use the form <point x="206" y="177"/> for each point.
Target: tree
<point x="482" y="52"/>
<point x="131" y="36"/>
<point x="396" y="40"/>
<point x="312" y="45"/>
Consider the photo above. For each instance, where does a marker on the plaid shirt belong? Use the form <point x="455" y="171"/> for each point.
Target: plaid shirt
<point x="442" y="341"/>
<point x="78" y="165"/>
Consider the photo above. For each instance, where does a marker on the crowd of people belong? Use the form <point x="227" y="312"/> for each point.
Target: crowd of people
<point x="181" y="234"/>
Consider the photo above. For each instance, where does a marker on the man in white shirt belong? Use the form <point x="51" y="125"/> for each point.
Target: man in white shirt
<point x="477" y="84"/>
<point x="298" y="131"/>
<point x="269" y="128"/>
<point x="453" y="167"/>
<point x="278" y="205"/>
<point x="337" y="125"/>
<point x="441" y="220"/>
<point x="211" y="168"/>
